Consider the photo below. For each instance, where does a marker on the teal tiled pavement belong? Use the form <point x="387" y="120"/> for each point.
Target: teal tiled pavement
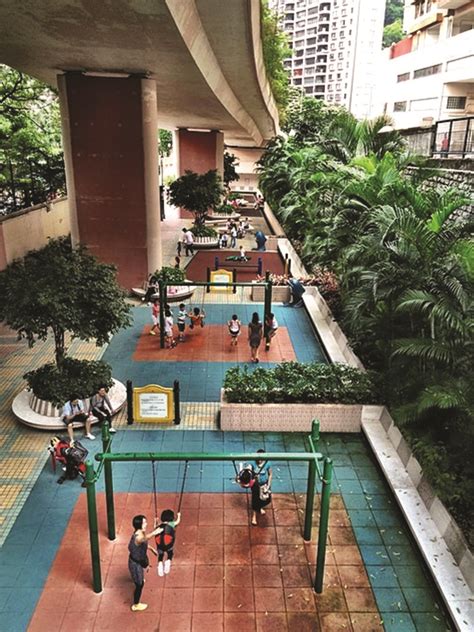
<point x="202" y="381"/>
<point x="404" y="593"/>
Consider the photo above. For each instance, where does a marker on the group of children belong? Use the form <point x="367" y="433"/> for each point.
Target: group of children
<point x="196" y="317"/>
<point x="233" y="232"/>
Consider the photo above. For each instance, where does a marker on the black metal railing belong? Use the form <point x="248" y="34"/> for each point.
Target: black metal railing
<point x="453" y="138"/>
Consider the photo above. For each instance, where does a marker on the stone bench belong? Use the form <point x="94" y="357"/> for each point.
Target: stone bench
<point x="42" y="415"/>
<point x="200" y="243"/>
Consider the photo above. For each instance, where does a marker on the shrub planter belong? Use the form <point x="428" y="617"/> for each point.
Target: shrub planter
<point x="280" y="293"/>
<point x="289" y="417"/>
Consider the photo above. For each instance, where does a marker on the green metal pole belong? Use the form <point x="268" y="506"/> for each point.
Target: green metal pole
<point x="323" y="526"/>
<point x="109" y="485"/>
<point x="315" y="426"/>
<point x="206" y="456"/>
<point x="162" y="295"/>
<point x="308" y="517"/>
<point x="93" y="527"/>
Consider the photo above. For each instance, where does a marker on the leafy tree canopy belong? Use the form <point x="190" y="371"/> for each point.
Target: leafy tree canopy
<point x="62" y="289"/>
<point x="230" y="164"/>
<point x="197" y="193"/>
<point x="31" y="160"/>
<point x="166" y="141"/>
<point x="393" y="33"/>
<point x="275" y="51"/>
<point x="393" y="11"/>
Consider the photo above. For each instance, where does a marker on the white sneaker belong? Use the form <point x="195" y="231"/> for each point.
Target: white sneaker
<point x="90" y="436"/>
<point x="112" y="430"/>
<point x="160" y="569"/>
<point x="167" y="566"/>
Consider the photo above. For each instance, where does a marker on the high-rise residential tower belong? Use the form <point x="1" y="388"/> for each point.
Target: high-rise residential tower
<point x="335" y="45"/>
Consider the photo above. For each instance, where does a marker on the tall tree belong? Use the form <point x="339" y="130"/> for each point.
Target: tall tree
<point x="31" y="160"/>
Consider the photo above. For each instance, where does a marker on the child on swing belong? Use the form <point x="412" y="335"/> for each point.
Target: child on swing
<point x="197" y="317"/>
<point x="165" y="539"/>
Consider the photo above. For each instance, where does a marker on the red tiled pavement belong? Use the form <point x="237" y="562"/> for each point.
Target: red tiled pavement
<point x="203" y="259"/>
<point x="211" y="343"/>
<point x="252" y="578"/>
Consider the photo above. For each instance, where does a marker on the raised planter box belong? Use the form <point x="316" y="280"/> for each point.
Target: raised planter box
<point x="289" y="417"/>
<point x="280" y="293"/>
<point x="220" y="218"/>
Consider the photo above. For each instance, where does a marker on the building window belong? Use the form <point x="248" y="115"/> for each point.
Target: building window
<point x="403" y="77"/>
<point x="456" y="103"/>
<point x="400" y="106"/>
<point x="426" y="72"/>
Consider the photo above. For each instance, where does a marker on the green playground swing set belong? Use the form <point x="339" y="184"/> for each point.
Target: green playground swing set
<point x="318" y="466"/>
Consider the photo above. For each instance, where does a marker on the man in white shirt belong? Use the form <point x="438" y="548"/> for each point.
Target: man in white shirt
<point x="75" y="411"/>
<point x="188" y="241"/>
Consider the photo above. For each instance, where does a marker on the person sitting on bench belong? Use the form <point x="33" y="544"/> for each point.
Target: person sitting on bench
<point x="74" y="412"/>
<point x="101" y="406"/>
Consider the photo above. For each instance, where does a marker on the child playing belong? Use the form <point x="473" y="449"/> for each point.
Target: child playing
<point x="155" y="316"/>
<point x="224" y="240"/>
<point x="242" y="255"/>
<point x="271" y="324"/>
<point x="234" y="325"/>
<point x="197" y="317"/>
<point x="181" y="321"/>
<point x="165" y="540"/>
<point x="170" y="341"/>
<point x="177" y="262"/>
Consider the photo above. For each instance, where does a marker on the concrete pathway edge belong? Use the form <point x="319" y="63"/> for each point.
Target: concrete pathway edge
<point x="452" y="578"/>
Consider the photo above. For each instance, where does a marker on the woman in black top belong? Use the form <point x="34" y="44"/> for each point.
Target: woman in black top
<point x="138" y="558"/>
<point x="255" y="334"/>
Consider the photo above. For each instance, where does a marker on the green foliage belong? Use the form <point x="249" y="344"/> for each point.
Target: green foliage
<point x="393" y="33"/>
<point x="204" y="231"/>
<point x="230" y="173"/>
<point x="275" y="50"/>
<point x="197" y="193"/>
<point x="62" y="289"/>
<point x="402" y="251"/>
<point x="31" y="159"/>
<point x="292" y="382"/>
<point x="393" y="11"/>
<point x="171" y="276"/>
<point x="81" y="377"/>
<point x="166" y="142"/>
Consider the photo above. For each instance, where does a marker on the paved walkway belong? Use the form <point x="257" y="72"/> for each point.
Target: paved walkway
<point x="365" y="523"/>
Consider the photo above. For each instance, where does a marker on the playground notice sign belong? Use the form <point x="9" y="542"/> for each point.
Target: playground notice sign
<point x="221" y="276"/>
<point x="153" y="403"/>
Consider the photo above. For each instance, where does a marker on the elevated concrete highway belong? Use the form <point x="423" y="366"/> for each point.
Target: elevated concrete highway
<point x="204" y="55"/>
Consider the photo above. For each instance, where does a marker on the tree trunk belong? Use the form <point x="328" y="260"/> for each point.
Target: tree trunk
<point x="59" y="350"/>
<point x="12" y="184"/>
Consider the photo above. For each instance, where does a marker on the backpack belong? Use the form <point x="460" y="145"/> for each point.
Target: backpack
<point x="165" y="540"/>
<point x="77" y="453"/>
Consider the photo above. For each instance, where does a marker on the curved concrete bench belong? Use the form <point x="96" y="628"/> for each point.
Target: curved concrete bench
<point x="220" y="218"/>
<point x="42" y="415"/>
<point x="206" y="242"/>
<point x="182" y="292"/>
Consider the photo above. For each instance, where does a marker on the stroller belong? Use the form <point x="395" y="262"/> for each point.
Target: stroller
<point x="71" y="456"/>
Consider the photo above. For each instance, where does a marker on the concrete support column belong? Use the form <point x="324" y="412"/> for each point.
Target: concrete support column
<point x="199" y="151"/>
<point x="110" y="135"/>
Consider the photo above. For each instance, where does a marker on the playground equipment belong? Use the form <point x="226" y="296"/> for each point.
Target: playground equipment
<point x="267" y="283"/>
<point x="107" y="458"/>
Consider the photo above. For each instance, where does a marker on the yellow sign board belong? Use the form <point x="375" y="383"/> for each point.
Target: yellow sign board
<point x="221" y="276"/>
<point x="153" y="403"/>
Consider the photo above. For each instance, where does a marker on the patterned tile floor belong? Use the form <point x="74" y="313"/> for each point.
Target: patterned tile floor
<point x="39" y="510"/>
<point x="365" y="525"/>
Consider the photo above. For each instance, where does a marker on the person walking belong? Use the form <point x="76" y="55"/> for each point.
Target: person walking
<point x="188" y="241"/>
<point x="255" y="333"/>
<point x="138" y="558"/>
<point x="234" y="325"/>
<point x="233" y="236"/>
<point x="271" y="326"/>
<point x="155" y="316"/>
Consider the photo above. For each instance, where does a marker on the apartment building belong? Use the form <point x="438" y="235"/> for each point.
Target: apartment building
<point x="336" y="44"/>
<point x="429" y="76"/>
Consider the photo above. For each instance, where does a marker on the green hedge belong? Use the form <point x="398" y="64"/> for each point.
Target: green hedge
<point x="81" y="377"/>
<point x="292" y="382"/>
<point x="202" y="230"/>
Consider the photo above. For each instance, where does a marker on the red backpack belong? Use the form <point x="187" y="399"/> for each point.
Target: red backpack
<point x="165" y="540"/>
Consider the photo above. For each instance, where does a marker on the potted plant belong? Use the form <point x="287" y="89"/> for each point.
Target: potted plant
<point x="57" y="290"/>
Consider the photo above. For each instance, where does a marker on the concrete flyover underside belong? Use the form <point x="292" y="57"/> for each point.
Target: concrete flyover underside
<point x="205" y="55"/>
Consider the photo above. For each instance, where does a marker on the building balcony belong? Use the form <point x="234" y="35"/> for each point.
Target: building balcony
<point x="451" y="4"/>
<point x="424" y="21"/>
